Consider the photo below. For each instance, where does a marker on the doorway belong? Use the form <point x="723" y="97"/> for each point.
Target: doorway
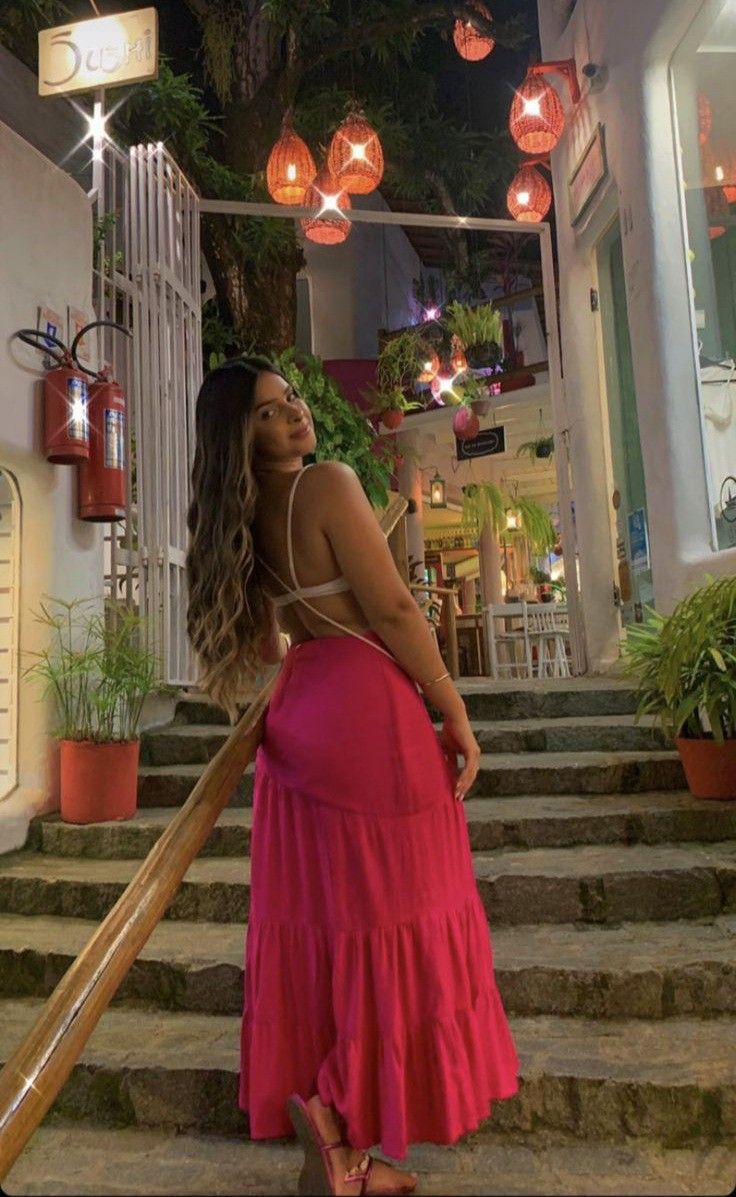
<point x="633" y="582"/>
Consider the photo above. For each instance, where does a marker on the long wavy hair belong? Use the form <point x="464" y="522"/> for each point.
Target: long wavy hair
<point x="228" y="609"/>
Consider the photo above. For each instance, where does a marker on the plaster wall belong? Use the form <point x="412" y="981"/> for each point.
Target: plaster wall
<point x="46" y="235"/>
<point x="633" y="42"/>
<point x="360" y="286"/>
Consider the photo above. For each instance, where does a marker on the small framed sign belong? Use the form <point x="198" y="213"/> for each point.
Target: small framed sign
<point x="485" y="444"/>
<point x="588" y="176"/>
<point x="638" y="540"/>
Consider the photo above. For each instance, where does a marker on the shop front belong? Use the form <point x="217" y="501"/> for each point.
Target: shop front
<point x="645" y="200"/>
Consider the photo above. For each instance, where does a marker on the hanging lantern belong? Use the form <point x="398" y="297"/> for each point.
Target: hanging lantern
<point x="458" y="361"/>
<point x="355" y="156"/>
<point x="705" y="117"/>
<point x="290" y="168"/>
<point x="437" y="495"/>
<point x="716" y="208"/>
<point x="529" y="197"/>
<point x="537" y="119"/>
<point x="512" y="520"/>
<point x="469" y="43"/>
<point x="430" y="368"/>
<point x="327" y="227"/>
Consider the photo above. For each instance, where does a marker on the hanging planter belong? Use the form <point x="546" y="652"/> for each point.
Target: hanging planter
<point x="469" y="42"/>
<point x="326" y="195"/>
<point x="465" y="424"/>
<point x="537" y="118"/>
<point x="430" y="368"/>
<point x="529" y="197"/>
<point x="392" y="418"/>
<point x="290" y="168"/>
<point x="355" y="156"/>
<point x="539" y="449"/>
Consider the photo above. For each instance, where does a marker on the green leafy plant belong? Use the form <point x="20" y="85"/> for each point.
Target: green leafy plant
<point x="685" y="664"/>
<point x="343" y="432"/>
<point x="533" y="522"/>
<point x="542" y="447"/>
<point x="399" y="363"/>
<point x="96" y="669"/>
<point x="484" y="503"/>
<point x="474" y="326"/>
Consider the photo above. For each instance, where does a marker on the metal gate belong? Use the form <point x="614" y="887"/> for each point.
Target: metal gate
<point x="147" y="278"/>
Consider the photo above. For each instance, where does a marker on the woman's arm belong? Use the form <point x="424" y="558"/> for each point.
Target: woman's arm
<point x="271" y="646"/>
<point x="365" y="559"/>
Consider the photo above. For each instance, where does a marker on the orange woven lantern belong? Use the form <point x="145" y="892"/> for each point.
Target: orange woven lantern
<point x="290" y="168"/>
<point x="469" y="43"/>
<point x="430" y="368"/>
<point x="716" y="208"/>
<point x="705" y="117"/>
<point x="355" y="156"/>
<point x="537" y="118"/>
<point x="326" y="195"/>
<point x="529" y="197"/>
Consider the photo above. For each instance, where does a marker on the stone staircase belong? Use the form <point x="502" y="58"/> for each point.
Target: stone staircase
<point x="611" y="895"/>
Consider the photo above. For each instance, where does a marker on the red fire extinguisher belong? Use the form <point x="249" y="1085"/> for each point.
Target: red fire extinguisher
<point x="101" y="487"/>
<point x="65" y="402"/>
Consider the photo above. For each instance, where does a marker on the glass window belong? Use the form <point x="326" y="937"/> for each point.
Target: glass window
<point x="703" y="74"/>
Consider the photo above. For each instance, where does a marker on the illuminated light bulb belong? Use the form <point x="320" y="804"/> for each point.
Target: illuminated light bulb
<point x="523" y="197"/>
<point x="359" y="152"/>
<point x="532" y="106"/>
<point x="97" y="121"/>
<point x="431" y="313"/>
<point x="291" y="172"/>
<point x="720" y="174"/>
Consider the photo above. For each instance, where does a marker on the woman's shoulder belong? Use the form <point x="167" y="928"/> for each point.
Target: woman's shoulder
<point x="332" y="477"/>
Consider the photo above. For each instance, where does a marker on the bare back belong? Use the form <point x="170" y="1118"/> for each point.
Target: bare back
<point x="313" y="557"/>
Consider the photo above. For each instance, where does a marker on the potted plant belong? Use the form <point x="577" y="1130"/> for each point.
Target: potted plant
<point x="98" y="672"/>
<point x="542" y="447"/>
<point x="480" y="330"/>
<point x="685" y="664"/>
<point x="475" y="394"/>
<point x="400" y="362"/>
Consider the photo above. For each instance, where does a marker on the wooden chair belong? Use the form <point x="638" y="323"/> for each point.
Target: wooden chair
<point x="512" y="636"/>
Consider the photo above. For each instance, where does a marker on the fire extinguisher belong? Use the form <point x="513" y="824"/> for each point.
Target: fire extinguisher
<point x="65" y="402"/>
<point x="101" y="488"/>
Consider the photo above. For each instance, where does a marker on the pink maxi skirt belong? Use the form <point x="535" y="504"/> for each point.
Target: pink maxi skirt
<point x="368" y="966"/>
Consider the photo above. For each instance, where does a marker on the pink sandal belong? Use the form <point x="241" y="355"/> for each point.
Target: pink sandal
<point x="315" y="1178"/>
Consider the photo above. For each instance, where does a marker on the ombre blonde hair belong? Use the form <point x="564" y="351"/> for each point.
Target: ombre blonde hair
<point x="229" y="609"/>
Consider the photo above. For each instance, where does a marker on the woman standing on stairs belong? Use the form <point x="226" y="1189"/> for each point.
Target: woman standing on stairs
<point x="371" y="1011"/>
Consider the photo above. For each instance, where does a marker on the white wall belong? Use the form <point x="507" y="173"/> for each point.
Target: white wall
<point x="360" y="286"/>
<point x="634" y="42"/>
<point x="46" y="238"/>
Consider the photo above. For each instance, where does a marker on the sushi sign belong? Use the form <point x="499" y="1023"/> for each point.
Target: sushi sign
<point x="104" y="52"/>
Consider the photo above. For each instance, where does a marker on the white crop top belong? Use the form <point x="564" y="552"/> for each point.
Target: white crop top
<point x="298" y="593"/>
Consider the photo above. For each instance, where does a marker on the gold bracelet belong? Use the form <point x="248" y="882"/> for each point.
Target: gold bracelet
<point x="434" y="679"/>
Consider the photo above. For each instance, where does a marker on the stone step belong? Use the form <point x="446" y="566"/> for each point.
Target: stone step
<point x="586" y="883"/>
<point x="485" y="699"/>
<point x="671" y="1080"/>
<point x="500" y="774"/>
<point x="197" y="743"/>
<point x="633" y="970"/>
<point x="163" y="1162"/>
<point x="551" y="821"/>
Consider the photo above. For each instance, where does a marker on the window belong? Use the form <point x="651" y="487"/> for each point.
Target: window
<point x="703" y="71"/>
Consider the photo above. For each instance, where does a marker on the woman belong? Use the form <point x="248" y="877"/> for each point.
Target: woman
<point x="371" y="1013"/>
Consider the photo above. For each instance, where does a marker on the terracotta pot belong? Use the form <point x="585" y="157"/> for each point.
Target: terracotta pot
<point x="98" y="782"/>
<point x="480" y="406"/>
<point x="392" y="419"/>
<point x="710" y="768"/>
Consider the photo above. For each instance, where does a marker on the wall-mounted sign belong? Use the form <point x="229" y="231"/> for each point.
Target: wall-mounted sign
<point x="588" y="176"/>
<point x="638" y="540"/>
<point x="103" y="52"/>
<point x="49" y="322"/>
<point x="485" y="444"/>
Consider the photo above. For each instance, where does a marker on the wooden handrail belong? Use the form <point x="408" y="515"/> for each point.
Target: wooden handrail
<point x="390" y="517"/>
<point x="448" y="621"/>
<point x="37" y="1070"/>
